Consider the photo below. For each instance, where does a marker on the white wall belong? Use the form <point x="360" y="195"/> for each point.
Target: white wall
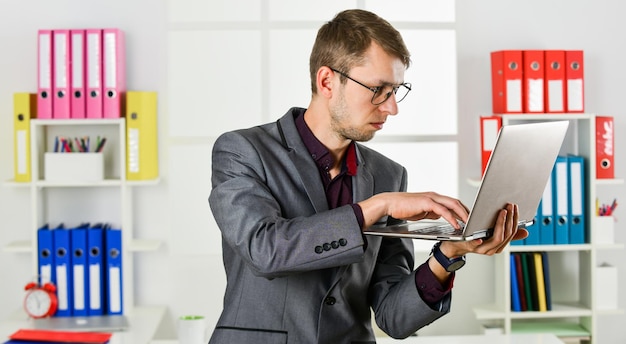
<point x="186" y="272"/>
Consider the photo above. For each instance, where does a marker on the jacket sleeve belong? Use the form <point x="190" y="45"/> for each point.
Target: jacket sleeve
<point x="252" y="185"/>
<point x="398" y="307"/>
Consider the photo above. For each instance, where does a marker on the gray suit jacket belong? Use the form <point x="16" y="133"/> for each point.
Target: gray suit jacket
<point x="296" y="271"/>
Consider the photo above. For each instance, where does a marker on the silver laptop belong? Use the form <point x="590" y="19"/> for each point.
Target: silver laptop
<point x="517" y="172"/>
<point x="97" y="323"/>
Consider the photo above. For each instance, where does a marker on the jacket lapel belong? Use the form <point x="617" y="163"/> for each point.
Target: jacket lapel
<point x="302" y="162"/>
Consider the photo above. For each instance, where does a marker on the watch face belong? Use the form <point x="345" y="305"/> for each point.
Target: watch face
<point x="456" y="265"/>
<point x="37" y="303"/>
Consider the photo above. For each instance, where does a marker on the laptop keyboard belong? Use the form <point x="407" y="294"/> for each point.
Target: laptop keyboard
<point x="444" y="228"/>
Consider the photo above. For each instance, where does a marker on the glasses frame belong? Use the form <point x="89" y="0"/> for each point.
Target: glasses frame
<point x="376" y="89"/>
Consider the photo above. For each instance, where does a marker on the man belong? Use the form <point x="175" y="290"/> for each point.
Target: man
<point x="291" y="199"/>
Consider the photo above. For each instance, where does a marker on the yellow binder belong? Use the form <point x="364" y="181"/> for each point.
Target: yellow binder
<point x="24" y="108"/>
<point x="141" y="136"/>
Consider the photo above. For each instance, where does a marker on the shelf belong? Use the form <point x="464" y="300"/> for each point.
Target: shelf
<point x="609" y="181"/>
<point x="79" y="121"/>
<point x="550" y="248"/>
<point x="559" y="310"/>
<point x="561" y="329"/>
<point x="79" y="184"/>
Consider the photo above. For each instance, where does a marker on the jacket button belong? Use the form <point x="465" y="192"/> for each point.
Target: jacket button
<point x="343" y="242"/>
<point x="326" y="247"/>
<point x="319" y="249"/>
<point x="334" y="244"/>
<point x="330" y="300"/>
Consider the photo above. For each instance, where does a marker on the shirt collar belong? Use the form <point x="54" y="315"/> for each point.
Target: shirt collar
<point x="320" y="153"/>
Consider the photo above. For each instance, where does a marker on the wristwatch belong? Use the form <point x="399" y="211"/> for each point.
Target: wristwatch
<point x="450" y="264"/>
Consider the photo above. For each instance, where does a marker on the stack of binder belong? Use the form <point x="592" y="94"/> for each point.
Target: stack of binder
<point x="85" y="265"/>
<point x="530" y="282"/>
<point x="81" y="73"/>
<point x="537" y="81"/>
<point x="560" y="217"/>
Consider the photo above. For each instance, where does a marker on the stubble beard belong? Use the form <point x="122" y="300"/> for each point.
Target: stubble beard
<point x="339" y="119"/>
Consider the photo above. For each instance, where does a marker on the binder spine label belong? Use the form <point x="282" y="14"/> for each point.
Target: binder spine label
<point x="133" y="150"/>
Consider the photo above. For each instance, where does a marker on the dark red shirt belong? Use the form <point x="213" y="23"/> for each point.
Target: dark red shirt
<point x="339" y="192"/>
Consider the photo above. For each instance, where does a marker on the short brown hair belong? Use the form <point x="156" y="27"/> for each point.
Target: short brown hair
<point x="341" y="42"/>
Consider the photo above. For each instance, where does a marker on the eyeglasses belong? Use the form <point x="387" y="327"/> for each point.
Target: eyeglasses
<point x="382" y="93"/>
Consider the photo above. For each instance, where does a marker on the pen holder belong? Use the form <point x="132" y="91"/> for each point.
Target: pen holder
<point x="81" y="167"/>
<point x="603" y="230"/>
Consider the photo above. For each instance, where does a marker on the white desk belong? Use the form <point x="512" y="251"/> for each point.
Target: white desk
<point x="143" y="321"/>
<point x="478" y="339"/>
<point x="470" y="339"/>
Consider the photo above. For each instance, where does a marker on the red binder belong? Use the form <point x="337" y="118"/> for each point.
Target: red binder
<point x="604" y="148"/>
<point x="575" y="83"/>
<point x="555" y="81"/>
<point x="78" y="104"/>
<point x="114" y="73"/>
<point x="506" y="81"/>
<point x="61" y="72"/>
<point x="94" y="73"/>
<point x="54" y="336"/>
<point x="489" y="128"/>
<point x="533" y="70"/>
<point x="44" y="74"/>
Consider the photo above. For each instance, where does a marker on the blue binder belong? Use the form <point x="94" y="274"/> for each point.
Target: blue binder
<point x="45" y="255"/>
<point x="516" y="305"/>
<point x="63" y="270"/>
<point x="534" y="231"/>
<point x="576" y="174"/>
<point x="113" y="258"/>
<point x="95" y="260"/>
<point x="80" y="275"/>
<point x="561" y="201"/>
<point x="545" y="216"/>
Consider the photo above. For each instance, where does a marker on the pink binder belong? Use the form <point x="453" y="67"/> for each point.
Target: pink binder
<point x="94" y="73"/>
<point x="44" y="73"/>
<point x="77" y="103"/>
<point x="61" y="74"/>
<point x="114" y="70"/>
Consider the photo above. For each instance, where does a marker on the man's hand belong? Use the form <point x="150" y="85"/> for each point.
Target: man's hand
<point x="413" y="206"/>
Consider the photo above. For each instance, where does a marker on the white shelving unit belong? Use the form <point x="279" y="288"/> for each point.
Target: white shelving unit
<point x="572" y="267"/>
<point x="74" y="202"/>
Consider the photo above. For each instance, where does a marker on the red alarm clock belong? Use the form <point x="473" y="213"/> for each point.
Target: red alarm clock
<point x="40" y="301"/>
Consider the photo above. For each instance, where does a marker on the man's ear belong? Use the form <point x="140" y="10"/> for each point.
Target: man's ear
<point x="325" y="81"/>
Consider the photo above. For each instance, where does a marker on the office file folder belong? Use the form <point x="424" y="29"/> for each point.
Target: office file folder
<point x="44" y="74"/>
<point x="506" y="81"/>
<point x="533" y="73"/>
<point x="114" y="73"/>
<point x="45" y="255"/>
<point x="489" y="128"/>
<point x="63" y="270"/>
<point x="516" y="305"/>
<point x="95" y="260"/>
<point x="534" y="231"/>
<point x="80" y="276"/>
<point x="545" y="215"/>
<point x="604" y="148"/>
<point x="113" y="261"/>
<point x="561" y="201"/>
<point x="94" y="60"/>
<point x="61" y="72"/>
<point x="78" y="103"/>
<point x="24" y="108"/>
<point x="575" y="80"/>
<point x="141" y="136"/>
<point x="55" y="336"/>
<point x="555" y="80"/>
<point x="576" y="207"/>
